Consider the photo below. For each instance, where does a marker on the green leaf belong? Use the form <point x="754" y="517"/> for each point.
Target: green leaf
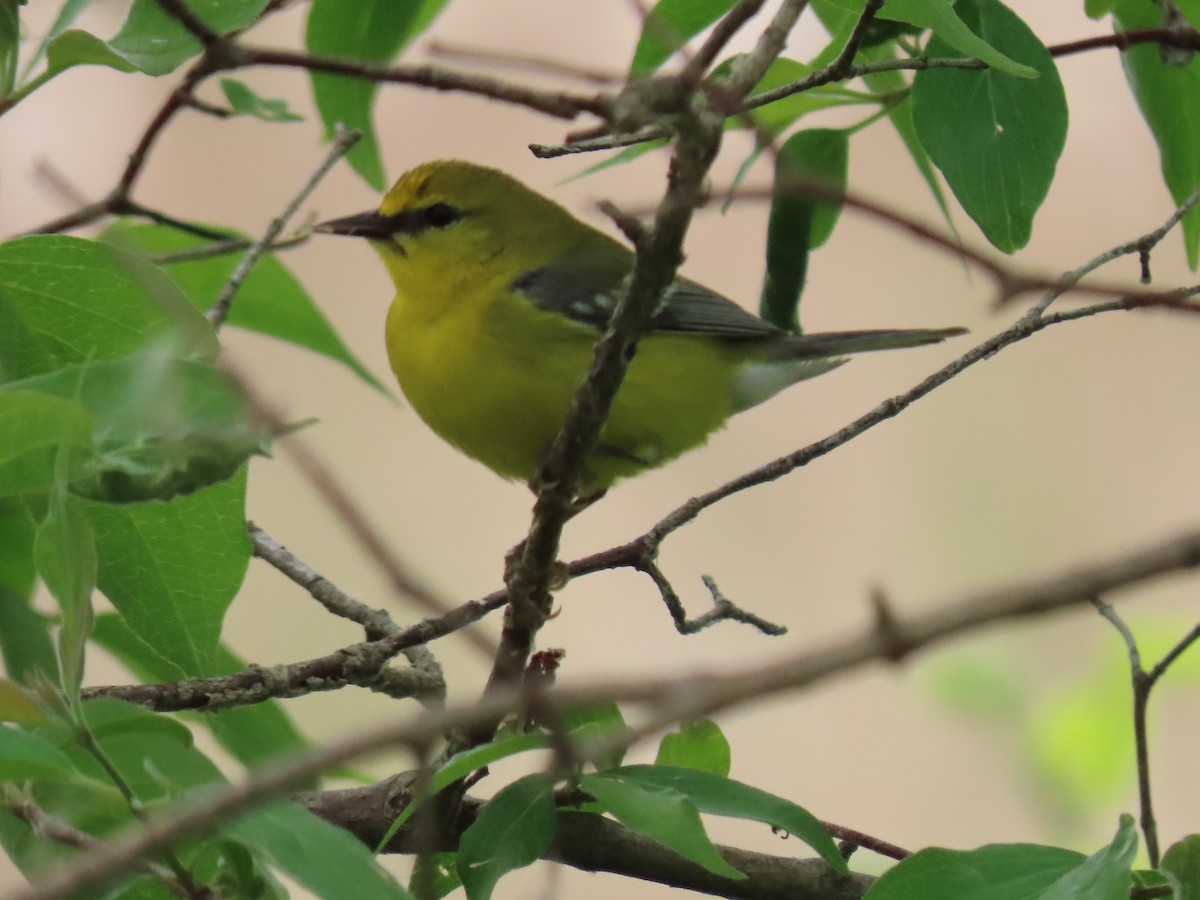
<point x="372" y="31"/>
<point x="271" y="301"/>
<point x="668" y="27"/>
<point x="66" y="300"/>
<point x="28" y="756"/>
<point x="67" y="14"/>
<point x="1105" y="875"/>
<point x="696" y="745"/>
<point x="660" y="813"/>
<point x="161" y="426"/>
<point x="799" y="222"/>
<point x="323" y="858"/>
<point x="24" y="633"/>
<point x="994" y="872"/>
<point x="245" y="102"/>
<point x="602" y="722"/>
<point x="10" y="44"/>
<point x="80" y="48"/>
<point x="776" y="117"/>
<point x="33" y="428"/>
<point x="463" y="764"/>
<point x="995" y="137"/>
<point x="253" y="735"/>
<point x="1169" y="98"/>
<point x="513" y="830"/>
<point x="437" y="872"/>
<point x="156" y="42"/>
<point x="725" y="797"/>
<point x="18" y="706"/>
<point x="942" y="17"/>
<point x="64" y="550"/>
<point x="1181" y="865"/>
<point x="172" y="569"/>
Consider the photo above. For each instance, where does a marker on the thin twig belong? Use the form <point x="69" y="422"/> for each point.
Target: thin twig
<point x="219" y="311"/>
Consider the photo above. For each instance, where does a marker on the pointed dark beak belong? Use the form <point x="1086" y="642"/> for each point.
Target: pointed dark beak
<point x="370" y="225"/>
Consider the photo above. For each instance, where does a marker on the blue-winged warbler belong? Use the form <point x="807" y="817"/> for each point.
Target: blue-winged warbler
<point x="501" y="295"/>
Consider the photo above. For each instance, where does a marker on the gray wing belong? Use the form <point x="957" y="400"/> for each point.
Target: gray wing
<point x="589" y="294"/>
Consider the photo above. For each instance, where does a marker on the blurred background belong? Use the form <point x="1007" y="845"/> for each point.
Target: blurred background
<point x="1066" y="449"/>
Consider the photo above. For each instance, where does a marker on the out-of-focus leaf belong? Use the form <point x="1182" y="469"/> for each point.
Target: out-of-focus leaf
<point x="601" y="722"/>
<point x="245" y="102"/>
<point x="668" y="27"/>
<point x="372" y="31"/>
<point x="64" y="550"/>
<point x="24" y="634"/>
<point x="1004" y="871"/>
<point x="17" y="706"/>
<point x="696" y="745"/>
<point x="156" y="42"/>
<point x="996" y="137"/>
<point x="1105" y="875"/>
<point x="34" y="429"/>
<point x="10" y="44"/>
<point x="271" y="300"/>
<point x="162" y="426"/>
<point x="512" y="831"/>
<point x="1181" y="865"/>
<point x="1169" y="98"/>
<point x="27" y="756"/>
<point x="800" y="222"/>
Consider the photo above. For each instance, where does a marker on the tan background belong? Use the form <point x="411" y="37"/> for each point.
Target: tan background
<point x="1077" y="444"/>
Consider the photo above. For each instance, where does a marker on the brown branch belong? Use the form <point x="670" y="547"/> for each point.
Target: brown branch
<point x="1184" y="39"/>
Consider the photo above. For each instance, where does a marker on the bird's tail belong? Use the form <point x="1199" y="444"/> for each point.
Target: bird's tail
<point x="841" y="343"/>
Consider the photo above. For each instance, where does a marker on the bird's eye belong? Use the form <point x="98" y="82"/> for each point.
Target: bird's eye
<point x="441" y="214"/>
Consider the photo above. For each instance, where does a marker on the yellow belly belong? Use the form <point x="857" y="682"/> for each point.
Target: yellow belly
<point x="498" y="385"/>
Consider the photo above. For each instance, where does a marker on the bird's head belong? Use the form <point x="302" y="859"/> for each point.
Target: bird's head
<point x="452" y="216"/>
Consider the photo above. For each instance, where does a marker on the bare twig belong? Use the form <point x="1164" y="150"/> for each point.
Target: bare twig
<point x="218" y="312"/>
<point x="1143" y="683"/>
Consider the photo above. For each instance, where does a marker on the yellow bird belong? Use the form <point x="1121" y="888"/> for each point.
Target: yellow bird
<point x="501" y="295"/>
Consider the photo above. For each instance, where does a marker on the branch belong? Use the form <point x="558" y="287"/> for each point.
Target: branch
<point x="690" y="696"/>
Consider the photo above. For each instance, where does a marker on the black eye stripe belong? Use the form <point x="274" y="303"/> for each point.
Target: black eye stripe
<point x="441" y="214"/>
<point x="424" y="218"/>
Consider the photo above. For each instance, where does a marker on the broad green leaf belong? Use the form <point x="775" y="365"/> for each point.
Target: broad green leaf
<point x="162" y="426"/>
<point x="67" y="300"/>
<point x="597" y="723"/>
<point x="668" y="27"/>
<point x="271" y="301"/>
<point x="777" y="116"/>
<point x="17" y="706"/>
<point x="993" y="872"/>
<point x="943" y="18"/>
<point x="231" y="869"/>
<point x="1181" y="865"/>
<point x="996" y="137"/>
<point x="373" y="31"/>
<point x="1169" y="98"/>
<point x="1105" y="875"/>
<point x="24" y="633"/>
<point x="244" y="101"/>
<point x="156" y="43"/>
<point x="80" y="48"/>
<point x="33" y="428"/>
<point x="64" y="550"/>
<point x="67" y="15"/>
<point x="513" y="830"/>
<point x="721" y="796"/>
<point x="660" y="813"/>
<point x="1096" y="9"/>
<point x="799" y="221"/>
<point x="253" y="735"/>
<point x="696" y="745"/>
<point x="28" y="756"/>
<point x="325" y="859"/>
<point x="463" y="764"/>
<point x="10" y="44"/>
<point x="438" y="873"/>
<point x="172" y="568"/>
